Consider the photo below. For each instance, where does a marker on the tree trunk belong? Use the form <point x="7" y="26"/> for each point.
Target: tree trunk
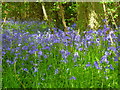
<point x="82" y="16"/>
<point x="90" y="15"/>
<point x="61" y="14"/>
<point x="46" y="17"/>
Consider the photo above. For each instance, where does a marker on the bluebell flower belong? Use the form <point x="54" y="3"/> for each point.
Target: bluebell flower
<point x="104" y="59"/>
<point x="73" y="78"/>
<point x="49" y="67"/>
<point x="35" y="50"/>
<point x="25" y="69"/>
<point x="31" y="51"/>
<point x="33" y="47"/>
<point x="115" y="58"/>
<point x="64" y="54"/>
<point x="74" y="25"/>
<point x="101" y="61"/>
<point x="65" y="61"/>
<point x="65" y="43"/>
<point x="111" y="67"/>
<point x="17" y="54"/>
<point x="88" y="37"/>
<point x="8" y="48"/>
<point x="107" y="67"/>
<point x="40" y="52"/>
<point x="118" y="47"/>
<point x="42" y="78"/>
<point x="10" y="62"/>
<point x="80" y="49"/>
<point x="90" y="31"/>
<point x="87" y="65"/>
<point x="97" y="39"/>
<point x="77" y="38"/>
<point x="31" y="43"/>
<point x="112" y="48"/>
<point x="35" y="69"/>
<point x="106" y="29"/>
<point x="56" y="41"/>
<point x="107" y="53"/>
<point x="56" y="71"/>
<point x="96" y="65"/>
<point x="17" y="49"/>
<point x="45" y="56"/>
<point x="76" y="54"/>
<point x="67" y="53"/>
<point x="66" y="37"/>
<point x="104" y="20"/>
<point x="46" y="47"/>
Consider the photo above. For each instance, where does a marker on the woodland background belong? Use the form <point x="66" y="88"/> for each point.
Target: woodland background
<point x="86" y="15"/>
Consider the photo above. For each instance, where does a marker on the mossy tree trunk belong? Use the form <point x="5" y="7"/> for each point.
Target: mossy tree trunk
<point x="82" y="16"/>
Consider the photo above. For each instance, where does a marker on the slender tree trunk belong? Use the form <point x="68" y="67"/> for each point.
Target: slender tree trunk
<point x="61" y="14"/>
<point x="46" y="17"/>
<point x="105" y="12"/>
<point x="44" y="11"/>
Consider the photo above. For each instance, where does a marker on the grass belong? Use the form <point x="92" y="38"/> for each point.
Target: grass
<point x="47" y="70"/>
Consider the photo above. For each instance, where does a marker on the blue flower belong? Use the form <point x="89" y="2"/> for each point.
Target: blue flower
<point x="56" y="71"/>
<point x="74" y="25"/>
<point x="43" y="79"/>
<point x="88" y="37"/>
<point x="25" y="69"/>
<point x="107" y="67"/>
<point x="101" y="61"/>
<point x="31" y="51"/>
<point x="46" y="47"/>
<point x="87" y="65"/>
<point x="90" y="31"/>
<point x="115" y="58"/>
<point x="49" y="67"/>
<point x="96" y="65"/>
<point x="104" y="20"/>
<point x="104" y="58"/>
<point x="111" y="67"/>
<point x="107" y="53"/>
<point x="35" y="50"/>
<point x="10" y="62"/>
<point x="65" y="61"/>
<point x="35" y="69"/>
<point x="66" y="37"/>
<point x="45" y="56"/>
<point x="112" y="48"/>
<point x="76" y="54"/>
<point x="73" y="78"/>
<point x="40" y="52"/>
<point x="80" y="49"/>
<point x="3" y="52"/>
<point x="67" y="53"/>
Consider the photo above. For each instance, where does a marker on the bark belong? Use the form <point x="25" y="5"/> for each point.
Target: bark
<point x="46" y="17"/>
<point x="62" y="15"/>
